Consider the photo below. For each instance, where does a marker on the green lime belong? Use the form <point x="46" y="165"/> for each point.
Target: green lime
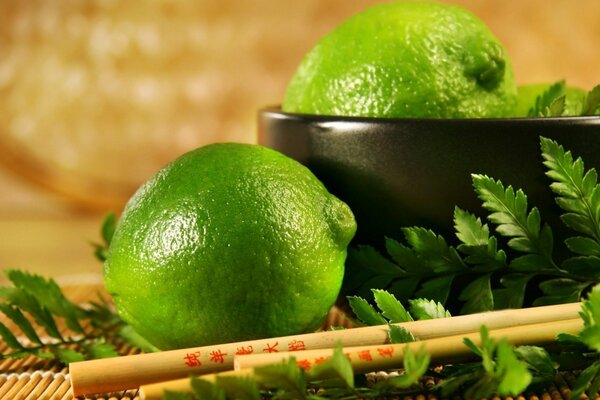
<point x="527" y="95"/>
<point x="229" y="242"/>
<point x="405" y="59"/>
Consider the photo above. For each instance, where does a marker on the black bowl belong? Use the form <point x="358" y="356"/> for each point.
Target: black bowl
<point x="413" y="172"/>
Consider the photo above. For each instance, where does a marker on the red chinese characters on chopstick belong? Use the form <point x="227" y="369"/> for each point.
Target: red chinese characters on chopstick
<point x="364" y="354"/>
<point x="192" y="359"/>
<point x="126" y="372"/>
<point x="223" y="354"/>
<point x="296" y="345"/>
<point x="241" y="351"/>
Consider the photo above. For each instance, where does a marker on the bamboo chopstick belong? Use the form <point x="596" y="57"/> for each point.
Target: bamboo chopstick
<point x="128" y="372"/>
<point x="443" y="349"/>
<point x="155" y="391"/>
<point x="380" y="357"/>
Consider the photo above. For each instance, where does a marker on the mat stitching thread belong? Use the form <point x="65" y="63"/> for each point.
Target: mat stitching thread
<point x="33" y="374"/>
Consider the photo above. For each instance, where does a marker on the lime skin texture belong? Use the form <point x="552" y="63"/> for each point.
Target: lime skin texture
<point x="406" y="60"/>
<point x="229" y="242"/>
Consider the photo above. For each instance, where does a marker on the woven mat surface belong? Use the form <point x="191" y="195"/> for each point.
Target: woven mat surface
<point x="32" y="378"/>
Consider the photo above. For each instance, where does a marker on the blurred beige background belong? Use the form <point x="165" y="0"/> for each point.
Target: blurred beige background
<point x="96" y="96"/>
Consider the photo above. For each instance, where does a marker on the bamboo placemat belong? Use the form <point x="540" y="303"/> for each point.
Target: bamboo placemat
<point x="31" y="378"/>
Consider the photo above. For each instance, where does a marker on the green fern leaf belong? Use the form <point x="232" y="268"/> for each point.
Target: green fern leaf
<point x="399" y="334"/>
<point x="26" y="302"/>
<point x="9" y="338"/>
<point x="19" y="319"/>
<point x="427" y="309"/>
<point x="544" y="101"/>
<point x="509" y="212"/>
<point x="433" y="250"/>
<point x="477" y="296"/>
<point x="575" y="188"/>
<point x="365" y="312"/>
<point x="591" y="105"/>
<point x="390" y="307"/>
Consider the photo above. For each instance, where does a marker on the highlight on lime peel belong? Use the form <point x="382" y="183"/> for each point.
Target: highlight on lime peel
<point x="406" y="59"/>
<point x="229" y="242"/>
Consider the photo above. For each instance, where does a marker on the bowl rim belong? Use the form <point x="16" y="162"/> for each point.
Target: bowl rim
<point x="275" y="112"/>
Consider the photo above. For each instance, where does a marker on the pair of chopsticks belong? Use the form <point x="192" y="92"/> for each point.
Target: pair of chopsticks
<point x="367" y="348"/>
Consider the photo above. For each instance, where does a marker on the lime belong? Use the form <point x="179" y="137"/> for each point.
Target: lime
<point x="405" y="59"/>
<point x="229" y="242"/>
<point x="527" y="95"/>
